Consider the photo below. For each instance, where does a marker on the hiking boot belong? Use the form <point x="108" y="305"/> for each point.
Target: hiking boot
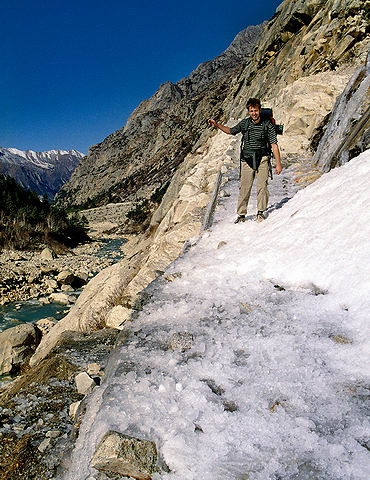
<point x="239" y="218"/>
<point x="260" y="216"/>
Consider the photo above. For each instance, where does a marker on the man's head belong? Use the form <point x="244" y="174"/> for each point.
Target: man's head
<point x="254" y="109"/>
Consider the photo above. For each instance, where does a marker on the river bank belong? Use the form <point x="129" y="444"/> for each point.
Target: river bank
<point x="28" y="276"/>
<point x="35" y="417"/>
<point x="38" y="409"/>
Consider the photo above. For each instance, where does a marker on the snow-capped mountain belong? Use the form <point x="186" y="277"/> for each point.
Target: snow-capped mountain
<point x="41" y="172"/>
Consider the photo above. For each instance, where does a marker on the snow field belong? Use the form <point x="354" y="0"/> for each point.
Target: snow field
<point x="276" y="381"/>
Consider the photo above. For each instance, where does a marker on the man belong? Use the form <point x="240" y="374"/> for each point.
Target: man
<point x="258" y="134"/>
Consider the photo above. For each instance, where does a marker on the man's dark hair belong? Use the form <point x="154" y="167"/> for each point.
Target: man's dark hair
<point x="254" y="102"/>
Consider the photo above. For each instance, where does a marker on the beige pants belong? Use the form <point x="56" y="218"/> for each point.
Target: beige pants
<point x="247" y="176"/>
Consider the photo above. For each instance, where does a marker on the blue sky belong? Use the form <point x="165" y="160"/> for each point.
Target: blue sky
<point x="73" y="71"/>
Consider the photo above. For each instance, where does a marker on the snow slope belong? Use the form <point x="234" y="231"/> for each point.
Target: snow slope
<point x="275" y="383"/>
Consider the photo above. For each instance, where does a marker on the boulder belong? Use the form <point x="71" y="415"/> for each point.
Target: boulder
<point x="46" y="324"/>
<point x="73" y="408"/>
<point x="83" y="277"/>
<point x="117" y="317"/>
<point x="125" y="456"/>
<point x="44" y="445"/>
<point x="51" y="284"/>
<point x="94" y="369"/>
<point x="67" y="288"/>
<point x="44" y="300"/>
<point x="65" y="277"/>
<point x="47" y="254"/>
<point x="84" y="383"/>
<point x="17" y="344"/>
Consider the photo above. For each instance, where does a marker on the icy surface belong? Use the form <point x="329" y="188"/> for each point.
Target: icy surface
<point x="275" y="383"/>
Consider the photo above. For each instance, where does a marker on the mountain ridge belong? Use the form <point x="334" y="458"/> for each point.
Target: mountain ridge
<point x="144" y="154"/>
<point x="41" y="172"/>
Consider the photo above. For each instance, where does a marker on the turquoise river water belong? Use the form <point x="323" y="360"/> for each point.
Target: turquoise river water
<point x="31" y="311"/>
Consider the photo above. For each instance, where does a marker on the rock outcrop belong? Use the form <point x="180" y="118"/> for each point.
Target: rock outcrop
<point x="348" y="132"/>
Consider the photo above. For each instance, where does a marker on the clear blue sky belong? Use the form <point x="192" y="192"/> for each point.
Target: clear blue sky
<point x="73" y="71"/>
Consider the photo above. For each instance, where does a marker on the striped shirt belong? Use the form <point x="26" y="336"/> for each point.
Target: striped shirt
<point x="253" y="134"/>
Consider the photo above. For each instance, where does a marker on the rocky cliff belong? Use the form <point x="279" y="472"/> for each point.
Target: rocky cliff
<point x="306" y="55"/>
<point x="40" y="172"/>
<point x="143" y="156"/>
<point x="302" y="40"/>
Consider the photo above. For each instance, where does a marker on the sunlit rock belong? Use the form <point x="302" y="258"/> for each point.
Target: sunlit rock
<point x="84" y="383"/>
<point x="94" y="369"/>
<point x="46" y="324"/>
<point x="17" y="344"/>
<point x="65" y="277"/>
<point x="117" y="317"/>
<point x="73" y="409"/>
<point x="47" y="254"/>
<point x="125" y="456"/>
<point x="61" y="298"/>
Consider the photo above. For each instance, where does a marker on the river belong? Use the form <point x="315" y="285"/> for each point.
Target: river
<point x="30" y="311"/>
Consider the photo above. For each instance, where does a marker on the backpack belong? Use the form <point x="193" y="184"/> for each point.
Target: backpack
<point x="266" y="114"/>
<point x="255" y="157"/>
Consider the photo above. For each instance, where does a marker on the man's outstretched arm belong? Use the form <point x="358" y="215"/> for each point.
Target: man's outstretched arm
<point x="214" y="124"/>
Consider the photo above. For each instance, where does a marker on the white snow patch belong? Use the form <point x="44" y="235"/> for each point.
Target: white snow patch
<point x="275" y="384"/>
<point x="45" y="160"/>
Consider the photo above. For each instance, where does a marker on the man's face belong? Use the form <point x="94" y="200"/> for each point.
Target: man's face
<point x="254" y="113"/>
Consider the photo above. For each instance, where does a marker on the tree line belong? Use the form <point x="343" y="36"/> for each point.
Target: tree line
<point x="28" y="221"/>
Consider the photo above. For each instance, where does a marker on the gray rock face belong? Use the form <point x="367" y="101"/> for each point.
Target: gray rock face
<point x="17" y="344"/>
<point x="301" y="40"/>
<point x="348" y="131"/>
<point x="120" y="455"/>
<point x="239" y="51"/>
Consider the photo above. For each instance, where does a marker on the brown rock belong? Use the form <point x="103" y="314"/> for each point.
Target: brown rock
<point x="125" y="456"/>
<point x="17" y="344"/>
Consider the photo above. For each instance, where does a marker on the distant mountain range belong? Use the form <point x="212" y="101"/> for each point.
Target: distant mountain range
<point x="40" y="172"/>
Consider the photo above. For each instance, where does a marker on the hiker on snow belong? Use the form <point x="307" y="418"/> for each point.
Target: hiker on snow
<point x="258" y="135"/>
